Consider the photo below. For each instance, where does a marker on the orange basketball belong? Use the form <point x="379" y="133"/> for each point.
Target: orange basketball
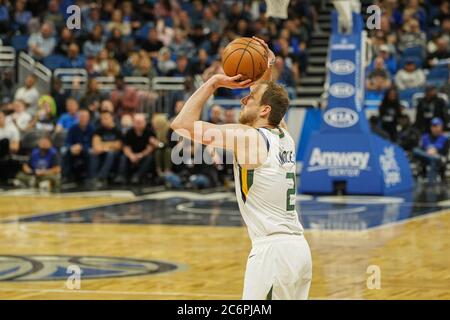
<point x="244" y="56"/>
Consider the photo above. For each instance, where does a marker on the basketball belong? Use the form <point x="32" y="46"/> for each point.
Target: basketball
<point x="244" y="56"/>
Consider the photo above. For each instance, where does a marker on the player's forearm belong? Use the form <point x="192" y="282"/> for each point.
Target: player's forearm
<point x="192" y="110"/>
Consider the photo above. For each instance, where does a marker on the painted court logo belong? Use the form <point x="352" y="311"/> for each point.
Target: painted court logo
<point x="46" y="268"/>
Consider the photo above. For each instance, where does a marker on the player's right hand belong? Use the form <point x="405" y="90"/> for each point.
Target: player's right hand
<point x="224" y="81"/>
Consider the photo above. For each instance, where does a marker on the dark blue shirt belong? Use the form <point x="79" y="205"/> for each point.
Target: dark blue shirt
<point x="43" y="161"/>
<point x="439" y="142"/>
<point x="83" y="137"/>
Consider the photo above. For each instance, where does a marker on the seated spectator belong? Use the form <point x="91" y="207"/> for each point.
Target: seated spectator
<point x="95" y="44"/>
<point x="390" y="110"/>
<point x="216" y="114"/>
<point x="43" y="43"/>
<point x="229" y="116"/>
<point x="54" y="16"/>
<point x="21" y="16"/>
<point x="118" y="46"/>
<point x="212" y="44"/>
<point x="78" y="144"/>
<point x="375" y="128"/>
<point x="389" y="60"/>
<point x="129" y="15"/>
<point x="165" y="65"/>
<point x="429" y="107"/>
<point x="44" y="119"/>
<point x="29" y="93"/>
<point x="91" y="18"/>
<point x="408" y="136"/>
<point x="68" y="119"/>
<point x="9" y="137"/>
<point x="7" y="86"/>
<point x="182" y="67"/>
<point x="74" y="60"/>
<point x="124" y="98"/>
<point x="42" y="168"/>
<point x="152" y="45"/>
<point x="378" y="79"/>
<point x="106" y="147"/>
<point x="433" y="150"/>
<point x="200" y="63"/>
<point x="64" y="42"/>
<point x="181" y="45"/>
<point x="137" y="151"/>
<point x="283" y="75"/>
<point x="412" y="36"/>
<point x="100" y="66"/>
<point x="118" y="23"/>
<point x="410" y="77"/>
<point x="93" y="95"/>
<point x="60" y="96"/>
<point x="20" y="118"/>
<point x="162" y="153"/>
<point x="442" y="52"/>
<point x="144" y="68"/>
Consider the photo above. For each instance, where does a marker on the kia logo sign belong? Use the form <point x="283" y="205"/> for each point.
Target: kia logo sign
<point x="342" y="90"/>
<point x="341" y="117"/>
<point x="342" y="67"/>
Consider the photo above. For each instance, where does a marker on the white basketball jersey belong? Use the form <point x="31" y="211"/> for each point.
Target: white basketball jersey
<point x="267" y="194"/>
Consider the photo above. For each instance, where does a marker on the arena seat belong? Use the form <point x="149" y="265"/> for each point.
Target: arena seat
<point x="54" y="61"/>
<point x="20" y="42"/>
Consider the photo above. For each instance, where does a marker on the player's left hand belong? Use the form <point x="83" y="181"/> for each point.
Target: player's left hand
<point x="224" y="81"/>
<point x="270" y="55"/>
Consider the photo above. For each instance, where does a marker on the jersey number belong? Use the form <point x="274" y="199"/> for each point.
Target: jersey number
<point x="290" y="192"/>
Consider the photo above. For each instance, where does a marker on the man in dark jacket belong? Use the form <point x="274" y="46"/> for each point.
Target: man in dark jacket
<point x="429" y="107"/>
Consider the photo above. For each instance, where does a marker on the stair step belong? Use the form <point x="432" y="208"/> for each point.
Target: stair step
<point x="324" y="18"/>
<point x="320" y="35"/>
<point x="319" y="42"/>
<point x="309" y="91"/>
<point x="318" y="51"/>
<point x="325" y="26"/>
<point x="312" y="70"/>
<point x="317" y="61"/>
<point x="310" y="80"/>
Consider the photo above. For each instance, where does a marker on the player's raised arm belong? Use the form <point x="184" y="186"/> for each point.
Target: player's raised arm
<point x="247" y="144"/>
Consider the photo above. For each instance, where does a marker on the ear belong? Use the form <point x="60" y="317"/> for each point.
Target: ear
<point x="265" y="110"/>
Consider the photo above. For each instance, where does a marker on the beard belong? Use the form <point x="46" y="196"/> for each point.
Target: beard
<point x="247" y="118"/>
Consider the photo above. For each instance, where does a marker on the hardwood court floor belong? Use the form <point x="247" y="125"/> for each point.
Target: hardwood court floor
<point x="413" y="256"/>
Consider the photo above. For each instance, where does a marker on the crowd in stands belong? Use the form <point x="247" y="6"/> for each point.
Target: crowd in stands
<point x="410" y="71"/>
<point x="99" y="137"/>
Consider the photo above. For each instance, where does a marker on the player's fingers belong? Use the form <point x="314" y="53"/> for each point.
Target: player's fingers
<point x="262" y="42"/>
<point x="236" y="77"/>
<point x="245" y="83"/>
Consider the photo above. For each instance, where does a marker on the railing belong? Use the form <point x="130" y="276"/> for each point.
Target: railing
<point x="7" y="57"/>
<point x="27" y="65"/>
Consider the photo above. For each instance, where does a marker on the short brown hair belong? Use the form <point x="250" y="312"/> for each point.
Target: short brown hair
<point x="277" y="98"/>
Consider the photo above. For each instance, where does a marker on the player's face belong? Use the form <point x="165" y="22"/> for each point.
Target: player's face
<point x="250" y="107"/>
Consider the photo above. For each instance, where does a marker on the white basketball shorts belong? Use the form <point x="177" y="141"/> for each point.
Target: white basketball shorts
<point x="279" y="267"/>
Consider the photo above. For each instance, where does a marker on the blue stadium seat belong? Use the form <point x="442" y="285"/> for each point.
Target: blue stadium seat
<point x="54" y="61"/>
<point x="438" y="75"/>
<point x="373" y="99"/>
<point x="413" y="52"/>
<point x="417" y="60"/>
<point x="407" y="95"/>
<point x="20" y="42"/>
<point x="142" y="33"/>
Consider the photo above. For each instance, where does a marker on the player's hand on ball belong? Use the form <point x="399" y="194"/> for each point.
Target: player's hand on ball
<point x="271" y="55"/>
<point x="224" y="81"/>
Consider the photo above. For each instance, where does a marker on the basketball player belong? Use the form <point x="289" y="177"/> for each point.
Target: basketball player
<point x="279" y="265"/>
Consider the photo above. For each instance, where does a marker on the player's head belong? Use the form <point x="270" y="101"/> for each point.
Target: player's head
<point x="268" y="101"/>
